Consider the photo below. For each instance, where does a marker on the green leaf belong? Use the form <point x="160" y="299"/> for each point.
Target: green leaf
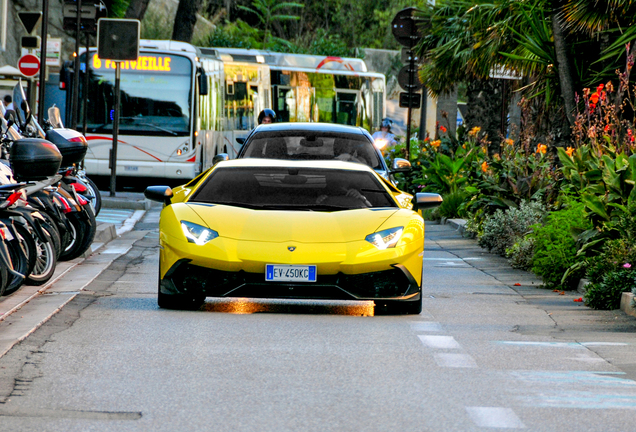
<point x="595" y="204"/>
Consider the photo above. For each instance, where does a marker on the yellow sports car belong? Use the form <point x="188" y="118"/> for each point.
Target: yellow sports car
<point x="265" y="228"/>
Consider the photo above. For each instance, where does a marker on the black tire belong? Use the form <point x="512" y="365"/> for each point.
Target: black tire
<point x="73" y="239"/>
<point x="4" y="279"/>
<point x="397" y="307"/>
<point x="96" y="202"/>
<point x="54" y="232"/>
<point x="45" y="262"/>
<point x="89" y="234"/>
<point x="19" y="251"/>
<point x="178" y="301"/>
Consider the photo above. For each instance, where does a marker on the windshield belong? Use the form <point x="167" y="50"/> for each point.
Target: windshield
<point x="291" y="188"/>
<point x="305" y="145"/>
<point x="155" y="95"/>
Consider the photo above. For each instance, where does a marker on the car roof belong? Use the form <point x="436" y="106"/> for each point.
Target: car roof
<point x="309" y="127"/>
<point x="326" y="164"/>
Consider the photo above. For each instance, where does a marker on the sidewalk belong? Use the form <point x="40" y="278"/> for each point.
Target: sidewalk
<point x="111" y="225"/>
<point x="459" y="226"/>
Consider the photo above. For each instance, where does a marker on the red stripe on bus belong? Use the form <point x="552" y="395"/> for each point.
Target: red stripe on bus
<point x="144" y="151"/>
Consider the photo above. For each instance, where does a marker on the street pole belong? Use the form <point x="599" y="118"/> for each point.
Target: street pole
<point x="408" y="116"/>
<point x="85" y="94"/>
<point x="43" y="41"/>
<point x="78" y="29"/>
<point x="113" y="151"/>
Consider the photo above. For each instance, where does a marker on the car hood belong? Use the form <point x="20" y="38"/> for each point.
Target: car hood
<point x="301" y="226"/>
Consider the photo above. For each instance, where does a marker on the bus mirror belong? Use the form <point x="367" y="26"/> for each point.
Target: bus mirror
<point x="203" y="84"/>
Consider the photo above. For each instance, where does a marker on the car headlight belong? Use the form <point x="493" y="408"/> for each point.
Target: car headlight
<point x="385" y="239"/>
<point x="197" y="234"/>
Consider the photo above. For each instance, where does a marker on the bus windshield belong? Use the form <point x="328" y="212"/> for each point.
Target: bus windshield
<point x="155" y="95"/>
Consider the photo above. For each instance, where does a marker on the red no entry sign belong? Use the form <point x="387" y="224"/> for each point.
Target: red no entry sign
<point x="29" y="65"/>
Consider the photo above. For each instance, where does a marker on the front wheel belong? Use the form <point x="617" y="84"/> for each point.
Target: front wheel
<point x="96" y="201"/>
<point x="178" y="301"/>
<point x="45" y="262"/>
<point x="399" y="307"/>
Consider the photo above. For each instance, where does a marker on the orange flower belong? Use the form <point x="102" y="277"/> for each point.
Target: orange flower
<point x="509" y="141"/>
<point x="474" y="131"/>
<point x="496" y="156"/>
<point x="609" y="87"/>
<point x="484" y="166"/>
<point x="542" y="148"/>
<point x="436" y="143"/>
<point x="442" y="129"/>
<point x="570" y="151"/>
<point x="594" y="98"/>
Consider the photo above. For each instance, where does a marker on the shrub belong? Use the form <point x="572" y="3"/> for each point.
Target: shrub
<point x="555" y="244"/>
<point x="521" y="253"/>
<point x="502" y="229"/>
<point x="606" y="295"/>
<point x="452" y="207"/>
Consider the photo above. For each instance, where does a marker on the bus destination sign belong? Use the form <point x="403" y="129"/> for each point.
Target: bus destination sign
<point x="143" y="63"/>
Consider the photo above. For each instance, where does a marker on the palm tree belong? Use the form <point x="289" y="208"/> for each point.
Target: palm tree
<point x="267" y="13"/>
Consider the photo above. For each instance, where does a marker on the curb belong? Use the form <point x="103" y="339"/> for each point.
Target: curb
<point x="627" y="304"/>
<point x="123" y="203"/>
<point x="104" y="234"/>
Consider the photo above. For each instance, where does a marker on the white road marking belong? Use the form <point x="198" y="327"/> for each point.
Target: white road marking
<point x="444" y="342"/>
<point x="455" y="360"/>
<point x="495" y="417"/>
<point x="425" y="326"/>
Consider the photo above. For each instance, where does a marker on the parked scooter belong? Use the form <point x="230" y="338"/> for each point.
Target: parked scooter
<point x="79" y="231"/>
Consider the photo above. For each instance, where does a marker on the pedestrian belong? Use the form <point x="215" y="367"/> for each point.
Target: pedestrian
<point x="8" y="102"/>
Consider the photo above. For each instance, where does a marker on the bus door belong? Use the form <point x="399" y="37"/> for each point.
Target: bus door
<point x="284" y="103"/>
<point x="346" y="107"/>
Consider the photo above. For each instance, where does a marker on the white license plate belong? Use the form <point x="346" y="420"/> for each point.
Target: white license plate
<point x="290" y="273"/>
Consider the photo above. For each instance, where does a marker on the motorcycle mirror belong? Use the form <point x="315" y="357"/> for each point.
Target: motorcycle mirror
<point x="19" y="103"/>
<point x="55" y="117"/>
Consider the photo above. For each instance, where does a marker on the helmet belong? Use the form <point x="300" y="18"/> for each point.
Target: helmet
<point x="267" y="113"/>
<point x="387" y="122"/>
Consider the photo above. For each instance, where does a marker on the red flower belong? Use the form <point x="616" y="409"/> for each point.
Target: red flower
<point x="594" y="99"/>
<point x="606" y="128"/>
<point x="600" y="87"/>
<point x="592" y="107"/>
<point x="443" y="129"/>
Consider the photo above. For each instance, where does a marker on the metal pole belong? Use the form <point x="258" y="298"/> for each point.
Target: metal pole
<point x="78" y="28"/>
<point x="113" y="153"/>
<point x="43" y="38"/>
<point x="408" y="121"/>
<point x="85" y="94"/>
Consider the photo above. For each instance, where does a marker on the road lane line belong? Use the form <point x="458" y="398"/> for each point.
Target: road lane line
<point x="495" y="417"/>
<point x="455" y="360"/>
<point x="443" y="342"/>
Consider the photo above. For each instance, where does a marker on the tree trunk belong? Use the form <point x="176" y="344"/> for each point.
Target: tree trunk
<point x="563" y="63"/>
<point x="137" y="9"/>
<point x="484" y="109"/>
<point x="185" y="20"/>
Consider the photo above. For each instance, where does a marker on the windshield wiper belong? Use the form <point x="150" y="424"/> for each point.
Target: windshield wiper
<point x="136" y="119"/>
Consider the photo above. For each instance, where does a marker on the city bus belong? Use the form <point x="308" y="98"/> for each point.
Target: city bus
<point x="182" y="105"/>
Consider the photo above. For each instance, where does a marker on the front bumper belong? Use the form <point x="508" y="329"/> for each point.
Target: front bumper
<point x="192" y="280"/>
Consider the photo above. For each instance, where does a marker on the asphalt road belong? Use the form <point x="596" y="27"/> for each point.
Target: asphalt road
<point x="484" y="354"/>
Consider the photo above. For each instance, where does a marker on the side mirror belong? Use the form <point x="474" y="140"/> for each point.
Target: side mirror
<point x="400" y="165"/>
<point x="220" y="158"/>
<point x="203" y="83"/>
<point x="241" y="141"/>
<point x="427" y="200"/>
<point x="162" y="194"/>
